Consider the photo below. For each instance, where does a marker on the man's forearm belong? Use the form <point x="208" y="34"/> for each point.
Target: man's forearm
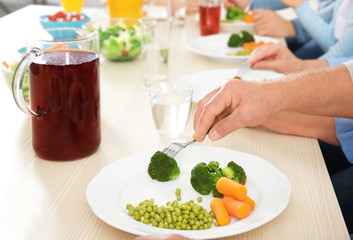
<point x="326" y="92"/>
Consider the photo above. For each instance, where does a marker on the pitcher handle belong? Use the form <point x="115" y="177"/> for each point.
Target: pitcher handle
<point x="17" y="82"/>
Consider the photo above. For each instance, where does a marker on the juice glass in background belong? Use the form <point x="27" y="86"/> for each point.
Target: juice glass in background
<point x="64" y="91"/>
<point x="170" y="107"/>
<point x="210" y="13"/>
<point x="72" y="5"/>
<point x="125" y="8"/>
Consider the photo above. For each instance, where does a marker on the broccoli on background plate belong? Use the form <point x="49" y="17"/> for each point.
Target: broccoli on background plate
<point x="162" y="167"/>
<point x="237" y="40"/>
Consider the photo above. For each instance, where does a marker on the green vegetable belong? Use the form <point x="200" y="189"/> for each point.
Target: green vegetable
<point x="204" y="177"/>
<point x="247" y="37"/>
<point x="174" y="215"/>
<point x="8" y="74"/>
<point x="235" y="13"/>
<point x="237" y="40"/>
<point x="235" y="172"/>
<point x="242" y="52"/>
<point x="162" y="167"/>
<point x="120" y="42"/>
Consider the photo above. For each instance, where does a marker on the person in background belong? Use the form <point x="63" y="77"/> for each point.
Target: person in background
<point x="325" y="33"/>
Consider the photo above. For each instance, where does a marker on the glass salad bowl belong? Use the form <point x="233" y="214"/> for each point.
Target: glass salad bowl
<point x="120" y="39"/>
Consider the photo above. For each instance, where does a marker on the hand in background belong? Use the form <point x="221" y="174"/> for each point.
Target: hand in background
<point x="235" y="3"/>
<point x="269" y="23"/>
<point x="275" y="57"/>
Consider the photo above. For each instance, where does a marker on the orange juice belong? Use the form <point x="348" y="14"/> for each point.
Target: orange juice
<point x="125" y="8"/>
<point x="72" y="5"/>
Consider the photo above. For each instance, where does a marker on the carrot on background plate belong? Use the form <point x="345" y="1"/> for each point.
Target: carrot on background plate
<point x="231" y="188"/>
<point x="248" y="18"/>
<point x="220" y="211"/>
<point x="236" y="208"/>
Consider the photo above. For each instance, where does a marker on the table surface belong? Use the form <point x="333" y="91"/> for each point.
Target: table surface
<point x="42" y="199"/>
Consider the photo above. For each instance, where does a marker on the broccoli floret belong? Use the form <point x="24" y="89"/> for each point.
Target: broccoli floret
<point x="235" y="172"/>
<point x="202" y="180"/>
<point x="235" y="13"/>
<point x="162" y="167"/>
<point x="247" y="37"/>
<point x="213" y="167"/>
<point x="235" y="41"/>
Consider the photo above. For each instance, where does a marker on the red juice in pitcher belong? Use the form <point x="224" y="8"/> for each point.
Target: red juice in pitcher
<point x="209" y="19"/>
<point x="64" y="87"/>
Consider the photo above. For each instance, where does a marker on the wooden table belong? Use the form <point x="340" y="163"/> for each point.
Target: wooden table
<point x="42" y="199"/>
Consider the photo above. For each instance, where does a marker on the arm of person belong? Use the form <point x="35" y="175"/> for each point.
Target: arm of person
<point x="304" y="125"/>
<point x="319" y="30"/>
<point x="343" y="47"/>
<point x="237" y="104"/>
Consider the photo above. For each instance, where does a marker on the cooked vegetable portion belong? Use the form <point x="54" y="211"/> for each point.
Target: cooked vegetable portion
<point x="236" y="208"/>
<point x="162" y="167"/>
<point x="231" y="188"/>
<point x="237" y="40"/>
<point x="235" y="172"/>
<point x="202" y="179"/>
<point x="234" y="13"/>
<point x="220" y="211"/>
<point x="174" y="215"/>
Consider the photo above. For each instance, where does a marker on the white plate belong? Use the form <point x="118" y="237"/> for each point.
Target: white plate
<point x="216" y="47"/>
<point x="206" y="81"/>
<point x="127" y="181"/>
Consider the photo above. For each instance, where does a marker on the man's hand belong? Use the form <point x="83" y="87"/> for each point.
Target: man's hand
<point x="235" y="105"/>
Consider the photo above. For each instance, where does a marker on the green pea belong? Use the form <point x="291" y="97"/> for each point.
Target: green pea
<point x="199" y="199"/>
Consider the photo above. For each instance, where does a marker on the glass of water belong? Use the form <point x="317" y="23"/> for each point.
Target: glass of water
<point x="156" y="42"/>
<point x="170" y="107"/>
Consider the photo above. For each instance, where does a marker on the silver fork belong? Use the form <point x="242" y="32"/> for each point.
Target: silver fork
<point x="247" y="8"/>
<point x="242" y="70"/>
<point x="172" y="149"/>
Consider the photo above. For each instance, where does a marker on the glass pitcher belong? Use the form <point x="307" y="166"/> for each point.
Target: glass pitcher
<point x="64" y="102"/>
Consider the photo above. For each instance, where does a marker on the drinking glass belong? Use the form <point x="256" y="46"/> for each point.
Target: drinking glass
<point x="125" y="8"/>
<point x="64" y="102"/>
<point x="72" y="5"/>
<point x="170" y="107"/>
<point x="210" y="12"/>
<point x="156" y="35"/>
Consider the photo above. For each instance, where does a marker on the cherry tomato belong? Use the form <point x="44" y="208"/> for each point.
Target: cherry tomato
<point x="124" y="52"/>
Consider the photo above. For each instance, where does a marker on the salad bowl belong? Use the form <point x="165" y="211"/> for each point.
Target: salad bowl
<point x="120" y="39"/>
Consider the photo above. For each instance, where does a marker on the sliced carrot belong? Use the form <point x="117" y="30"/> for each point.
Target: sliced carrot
<point x="220" y="211"/>
<point x="5" y="64"/>
<point x="251" y="202"/>
<point x="236" y="208"/>
<point x="231" y="188"/>
<point x="252" y="45"/>
<point x="248" y="18"/>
